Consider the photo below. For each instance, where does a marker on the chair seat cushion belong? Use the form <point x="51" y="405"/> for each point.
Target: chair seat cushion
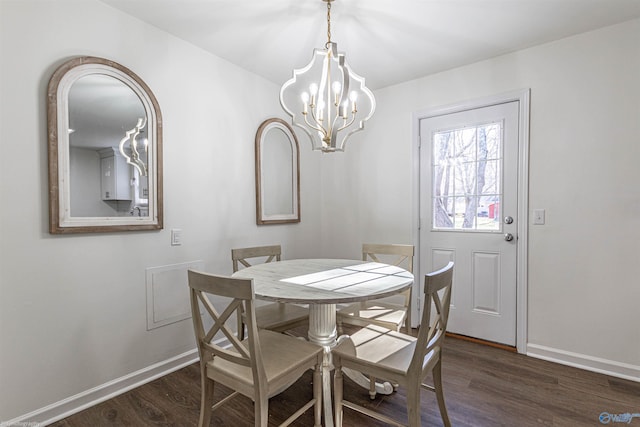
<point x="274" y="316"/>
<point x="377" y="346"/>
<point x="278" y="364"/>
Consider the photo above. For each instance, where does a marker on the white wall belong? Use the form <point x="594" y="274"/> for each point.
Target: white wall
<point x="73" y="308"/>
<point x="583" y="280"/>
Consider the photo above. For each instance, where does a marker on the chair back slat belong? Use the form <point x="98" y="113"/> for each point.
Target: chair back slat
<point x="240" y="292"/>
<point x="245" y="263"/>
<point x="437" y="289"/>
<point x="220" y="320"/>
<point x="399" y="255"/>
<point x="240" y="256"/>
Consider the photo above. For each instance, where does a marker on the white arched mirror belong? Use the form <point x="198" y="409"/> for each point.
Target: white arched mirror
<point x="277" y="173"/>
<point x="105" y="149"/>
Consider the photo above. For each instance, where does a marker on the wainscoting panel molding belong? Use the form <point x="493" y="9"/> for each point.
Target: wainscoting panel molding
<point x="168" y="293"/>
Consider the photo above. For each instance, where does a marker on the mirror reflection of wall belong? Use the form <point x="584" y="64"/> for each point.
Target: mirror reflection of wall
<point x="277" y="173"/>
<point x="102" y="109"/>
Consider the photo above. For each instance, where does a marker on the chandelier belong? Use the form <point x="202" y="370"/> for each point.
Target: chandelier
<point x="326" y="98"/>
<point x="131" y="151"/>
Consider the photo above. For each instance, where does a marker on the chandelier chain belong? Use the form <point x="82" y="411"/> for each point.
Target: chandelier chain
<point x="328" y="24"/>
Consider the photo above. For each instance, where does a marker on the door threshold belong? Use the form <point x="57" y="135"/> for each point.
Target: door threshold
<point x="512" y="349"/>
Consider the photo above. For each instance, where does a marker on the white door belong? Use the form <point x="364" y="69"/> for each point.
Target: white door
<point x="469" y="215"/>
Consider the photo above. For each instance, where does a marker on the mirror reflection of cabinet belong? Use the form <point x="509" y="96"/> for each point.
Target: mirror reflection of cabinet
<point x="143" y="188"/>
<point x="115" y="181"/>
<point x="105" y="149"/>
<point x="277" y="173"/>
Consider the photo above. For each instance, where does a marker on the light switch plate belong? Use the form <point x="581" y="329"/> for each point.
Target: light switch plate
<point x="538" y="216"/>
<point x="176" y="237"/>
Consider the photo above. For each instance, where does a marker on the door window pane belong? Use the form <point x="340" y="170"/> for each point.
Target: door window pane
<point x="467" y="178"/>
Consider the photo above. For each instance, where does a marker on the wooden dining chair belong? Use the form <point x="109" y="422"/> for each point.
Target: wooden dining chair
<point x="384" y="353"/>
<point x="259" y="367"/>
<point x="379" y="312"/>
<point x="276" y="317"/>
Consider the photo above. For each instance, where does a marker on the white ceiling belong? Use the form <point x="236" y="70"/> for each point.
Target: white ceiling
<point x="386" y="41"/>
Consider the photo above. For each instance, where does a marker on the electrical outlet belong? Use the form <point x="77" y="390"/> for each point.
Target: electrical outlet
<point x="176" y="237"/>
<point x="538" y="216"/>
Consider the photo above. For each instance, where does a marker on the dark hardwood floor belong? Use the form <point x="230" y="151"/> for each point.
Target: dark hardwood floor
<point x="483" y="386"/>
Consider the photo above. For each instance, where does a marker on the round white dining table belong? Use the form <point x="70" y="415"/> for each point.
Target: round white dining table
<point x="323" y="283"/>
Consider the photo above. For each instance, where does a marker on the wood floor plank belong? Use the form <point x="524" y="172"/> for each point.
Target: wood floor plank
<point x="483" y="387"/>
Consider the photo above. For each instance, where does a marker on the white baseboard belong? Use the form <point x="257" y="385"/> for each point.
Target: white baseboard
<point x="583" y="361"/>
<point x="71" y="405"/>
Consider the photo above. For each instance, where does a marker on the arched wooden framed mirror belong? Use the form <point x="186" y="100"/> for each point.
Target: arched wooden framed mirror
<point x="277" y="173"/>
<point x="105" y="149"/>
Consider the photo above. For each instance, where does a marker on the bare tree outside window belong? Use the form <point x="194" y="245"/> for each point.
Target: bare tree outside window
<point x="467" y="178"/>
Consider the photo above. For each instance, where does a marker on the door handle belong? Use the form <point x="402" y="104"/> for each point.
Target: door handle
<point x="508" y="237"/>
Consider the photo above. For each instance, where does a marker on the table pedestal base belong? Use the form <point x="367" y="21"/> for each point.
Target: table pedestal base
<point x="322" y="324"/>
<point x="322" y="331"/>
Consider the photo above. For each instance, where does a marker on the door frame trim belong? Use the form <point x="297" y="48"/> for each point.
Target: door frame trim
<point x="523" y="98"/>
